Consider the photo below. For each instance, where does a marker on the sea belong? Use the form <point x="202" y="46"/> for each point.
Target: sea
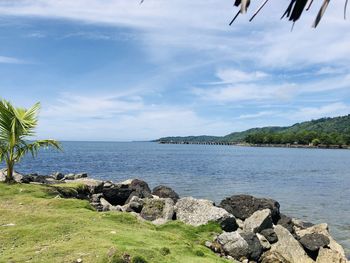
<point x="310" y="184"/>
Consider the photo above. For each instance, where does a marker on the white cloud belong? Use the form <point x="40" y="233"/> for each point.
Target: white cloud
<point x="246" y="92"/>
<point x="11" y="60"/>
<point x="329" y="110"/>
<point x="230" y="76"/>
<point x="119" y="117"/>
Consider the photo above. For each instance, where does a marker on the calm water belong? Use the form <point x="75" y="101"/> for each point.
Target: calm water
<point x="310" y="184"/>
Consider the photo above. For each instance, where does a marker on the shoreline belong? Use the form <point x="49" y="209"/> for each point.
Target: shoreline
<point x="255" y="222"/>
<point x="294" y="146"/>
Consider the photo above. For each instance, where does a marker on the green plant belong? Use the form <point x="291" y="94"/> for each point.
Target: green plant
<point x="138" y="259"/>
<point x="164" y="251"/>
<point x="16" y="125"/>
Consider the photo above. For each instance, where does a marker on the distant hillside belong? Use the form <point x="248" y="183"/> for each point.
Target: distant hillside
<point x="328" y="131"/>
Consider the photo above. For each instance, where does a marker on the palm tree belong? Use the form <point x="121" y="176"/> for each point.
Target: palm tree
<point x="16" y="125"/>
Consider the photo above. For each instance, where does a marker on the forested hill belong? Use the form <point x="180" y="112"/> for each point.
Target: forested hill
<point x="328" y="131"/>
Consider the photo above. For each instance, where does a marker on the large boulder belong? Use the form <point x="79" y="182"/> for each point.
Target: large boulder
<point x="258" y="221"/>
<point x="321" y="229"/>
<point x="234" y="245"/>
<point x="165" y="192"/>
<point x="243" y="206"/>
<point x="117" y="194"/>
<point x="313" y="242"/>
<point x="286" y="250"/>
<point x="121" y="193"/>
<point x="198" y="212"/>
<point x="159" y="210"/>
<point x="326" y="255"/>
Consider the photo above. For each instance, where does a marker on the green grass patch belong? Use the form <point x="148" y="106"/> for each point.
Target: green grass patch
<point x="36" y="226"/>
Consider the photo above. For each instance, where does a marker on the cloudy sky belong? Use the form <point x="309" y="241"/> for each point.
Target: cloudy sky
<point x="118" y="70"/>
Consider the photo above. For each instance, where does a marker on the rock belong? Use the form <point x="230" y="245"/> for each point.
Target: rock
<point x="121" y="193"/>
<point x="159" y="211"/>
<point x="264" y="242"/>
<point x="274" y="257"/>
<point x="80" y="175"/>
<point x="270" y="235"/>
<point x="198" y="212"/>
<point x="234" y="245"/>
<point x="287" y="248"/>
<point x="165" y="192"/>
<point x="255" y="248"/>
<point x="69" y="177"/>
<point x="58" y="176"/>
<point x="117" y="194"/>
<point x="326" y="255"/>
<point x="286" y="222"/>
<point x="17" y="176"/>
<point x="301" y="224"/>
<point x="240" y="223"/>
<point x="323" y="230"/>
<point x="106" y="206"/>
<point x="258" y="221"/>
<point x="243" y="206"/>
<point x="94" y="186"/>
<point x="208" y="244"/>
<point x="140" y="187"/>
<point x="135" y="205"/>
<point x="313" y="242"/>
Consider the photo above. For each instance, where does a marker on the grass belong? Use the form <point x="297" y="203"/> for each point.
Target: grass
<point x="49" y="229"/>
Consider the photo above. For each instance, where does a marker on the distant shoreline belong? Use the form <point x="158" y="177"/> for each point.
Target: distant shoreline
<point x="296" y="146"/>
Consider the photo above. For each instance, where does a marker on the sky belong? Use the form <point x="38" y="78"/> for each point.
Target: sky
<point x="115" y="70"/>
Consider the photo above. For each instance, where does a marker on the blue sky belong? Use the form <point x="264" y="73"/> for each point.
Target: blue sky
<point x="117" y="70"/>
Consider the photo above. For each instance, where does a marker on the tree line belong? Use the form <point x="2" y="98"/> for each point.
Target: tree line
<point x="301" y="138"/>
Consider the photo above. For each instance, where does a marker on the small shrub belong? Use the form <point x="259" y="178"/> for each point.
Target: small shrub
<point x="164" y="251"/>
<point x="138" y="259"/>
<point x="199" y="253"/>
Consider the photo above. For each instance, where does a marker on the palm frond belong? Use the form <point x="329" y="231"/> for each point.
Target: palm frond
<point x="33" y="148"/>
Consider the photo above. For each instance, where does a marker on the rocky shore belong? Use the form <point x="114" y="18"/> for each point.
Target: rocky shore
<point x="253" y="229"/>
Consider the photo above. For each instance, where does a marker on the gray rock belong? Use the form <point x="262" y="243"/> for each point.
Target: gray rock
<point x="264" y="242"/>
<point x="326" y="255"/>
<point x="159" y="211"/>
<point x="323" y="230"/>
<point x="135" y="205"/>
<point x="286" y="222"/>
<point x="258" y="221"/>
<point x="69" y="177"/>
<point x="121" y="193"/>
<point x="234" y="245"/>
<point x="106" y="206"/>
<point x="165" y="192"/>
<point x="287" y="248"/>
<point x="58" y="176"/>
<point x="96" y="198"/>
<point x="299" y="224"/>
<point x="80" y="175"/>
<point x="275" y="257"/>
<point x="255" y="248"/>
<point x="17" y="176"/>
<point x="94" y="186"/>
<point x="198" y="212"/>
<point x="270" y="235"/>
<point x="313" y="242"/>
<point x="243" y="206"/>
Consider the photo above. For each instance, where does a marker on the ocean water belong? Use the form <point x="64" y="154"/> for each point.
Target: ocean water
<point x="310" y="184"/>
